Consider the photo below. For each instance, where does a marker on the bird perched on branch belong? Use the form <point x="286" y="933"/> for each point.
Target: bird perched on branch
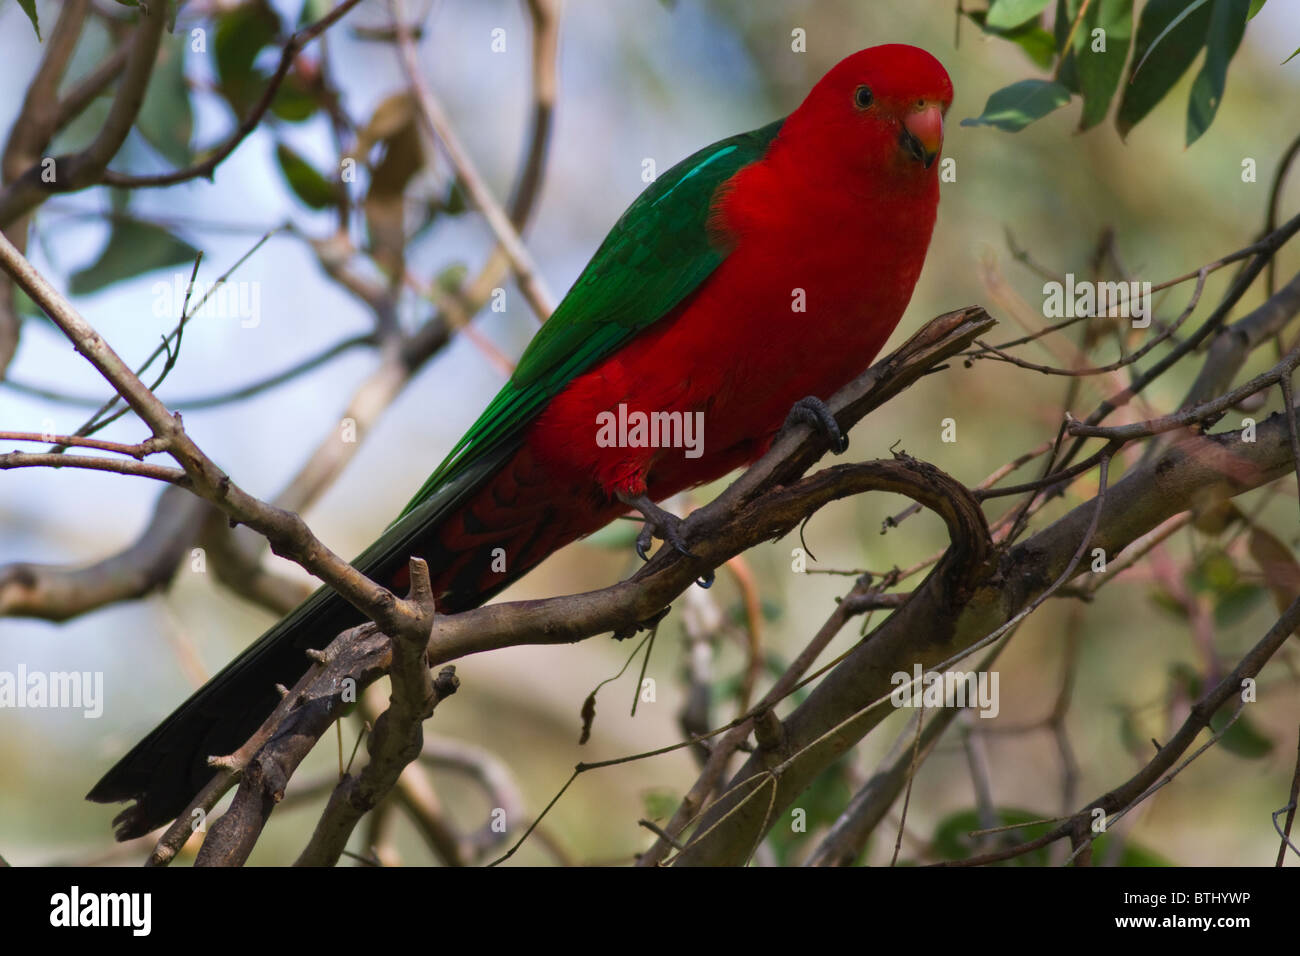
<point x="755" y="277"/>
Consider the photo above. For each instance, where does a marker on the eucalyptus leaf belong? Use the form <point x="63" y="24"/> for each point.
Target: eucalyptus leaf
<point x="1227" y="26"/>
<point x="1014" y="107"/>
<point x="1004" y="14"/>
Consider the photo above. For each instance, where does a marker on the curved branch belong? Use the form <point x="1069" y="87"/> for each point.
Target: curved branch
<point x="56" y="593"/>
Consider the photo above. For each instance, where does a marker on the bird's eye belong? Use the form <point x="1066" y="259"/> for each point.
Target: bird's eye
<point x="862" y="97"/>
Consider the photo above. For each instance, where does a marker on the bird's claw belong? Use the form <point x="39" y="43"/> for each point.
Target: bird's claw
<point x="815" y="413"/>
<point x="658" y="524"/>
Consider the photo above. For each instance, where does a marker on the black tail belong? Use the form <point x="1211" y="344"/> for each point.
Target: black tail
<point x="164" y="771"/>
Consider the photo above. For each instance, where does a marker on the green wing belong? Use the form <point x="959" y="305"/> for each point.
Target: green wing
<point x="658" y="253"/>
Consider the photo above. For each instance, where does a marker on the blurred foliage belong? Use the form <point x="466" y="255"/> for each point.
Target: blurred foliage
<point x="952" y="840"/>
<point x="1089" y="45"/>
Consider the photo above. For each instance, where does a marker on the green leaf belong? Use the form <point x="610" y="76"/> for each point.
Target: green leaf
<point x="29" y="8"/>
<point x="615" y="536"/>
<point x="452" y="279"/>
<point x="313" y="10"/>
<point x="821" y="804"/>
<point x="1038" y="44"/>
<point x="1099" y="70"/>
<point x="307" y="183"/>
<point x="1178" y="49"/>
<point x="1014" y="107"/>
<point x="166" y="119"/>
<point x="1291" y="57"/>
<point x="1227" y="25"/>
<point x="1004" y="14"/>
<point x="293" y="101"/>
<point x="1255" y="7"/>
<point x="241" y="35"/>
<point x="951" y="840"/>
<point x="133" y="249"/>
<point x="1237" y="602"/>
<point x="1169" y="28"/>
<point x="1243" y="738"/>
<point x="1168" y="603"/>
<point x="1215" y="573"/>
<point x="24" y="305"/>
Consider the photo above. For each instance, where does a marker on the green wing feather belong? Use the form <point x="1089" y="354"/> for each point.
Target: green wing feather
<point x="656" y="255"/>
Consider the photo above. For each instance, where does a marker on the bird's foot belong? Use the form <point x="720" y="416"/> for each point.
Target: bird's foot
<point x="812" y="411"/>
<point x="658" y="524"/>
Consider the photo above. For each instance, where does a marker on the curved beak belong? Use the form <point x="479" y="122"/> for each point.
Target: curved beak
<point x="922" y="133"/>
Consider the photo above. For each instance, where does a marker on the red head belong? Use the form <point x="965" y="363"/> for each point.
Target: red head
<point x="877" y="113"/>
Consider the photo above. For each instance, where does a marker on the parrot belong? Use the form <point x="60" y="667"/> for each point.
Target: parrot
<point x="740" y="290"/>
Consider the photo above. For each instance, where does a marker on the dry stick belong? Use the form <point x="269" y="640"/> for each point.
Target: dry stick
<point x="1243" y="253"/>
<point x="98" y="420"/>
<point x="294" y="371"/>
<point x="39" y="117"/>
<point x="398" y="735"/>
<point x="1284" y="380"/>
<point x="29" y="136"/>
<point x="1290" y="808"/>
<point x="913" y="764"/>
<point x="744" y="576"/>
<point x="1278" y="374"/>
<point x="120" y="466"/>
<point x="1274" y="199"/>
<point x="207" y="168"/>
<point x="1268" y="246"/>
<point x="1146" y="780"/>
<point x="439" y="129"/>
<point x="138" y="451"/>
<point x="1131" y="556"/>
<point x="987" y="351"/>
<point x="492" y="775"/>
<point x="993" y="478"/>
<point x="1069" y="37"/>
<point x="1079" y="830"/>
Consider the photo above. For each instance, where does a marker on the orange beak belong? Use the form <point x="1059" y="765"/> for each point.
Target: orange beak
<point x="922" y="134"/>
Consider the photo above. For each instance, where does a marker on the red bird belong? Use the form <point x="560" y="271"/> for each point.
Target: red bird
<point x="757" y="276"/>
